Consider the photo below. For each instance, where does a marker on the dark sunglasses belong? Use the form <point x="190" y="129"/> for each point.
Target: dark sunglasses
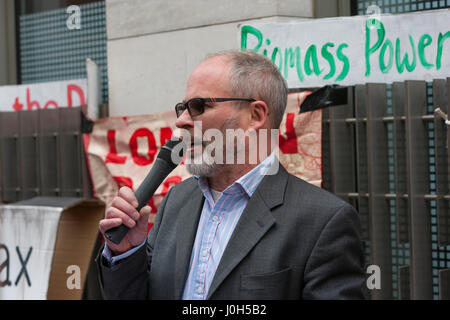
<point x="196" y="106"/>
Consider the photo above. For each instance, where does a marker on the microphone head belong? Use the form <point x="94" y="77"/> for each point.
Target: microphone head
<point x="172" y="152"/>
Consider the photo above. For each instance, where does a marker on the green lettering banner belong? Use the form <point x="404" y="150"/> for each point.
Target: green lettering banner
<point x="355" y="50"/>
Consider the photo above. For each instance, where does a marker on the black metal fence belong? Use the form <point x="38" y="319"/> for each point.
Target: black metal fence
<point x="41" y="154"/>
<point x="386" y="152"/>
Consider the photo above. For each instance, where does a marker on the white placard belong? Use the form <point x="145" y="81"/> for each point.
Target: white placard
<point x="355" y="50"/>
<point x="27" y="243"/>
<point x="69" y="93"/>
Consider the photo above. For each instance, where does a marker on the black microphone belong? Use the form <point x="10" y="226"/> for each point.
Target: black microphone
<point x="163" y="166"/>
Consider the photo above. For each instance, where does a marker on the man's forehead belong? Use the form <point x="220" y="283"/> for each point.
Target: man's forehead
<point x="210" y="65"/>
<point x="211" y="73"/>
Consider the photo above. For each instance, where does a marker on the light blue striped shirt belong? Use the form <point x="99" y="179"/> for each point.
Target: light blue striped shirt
<point x="217" y="222"/>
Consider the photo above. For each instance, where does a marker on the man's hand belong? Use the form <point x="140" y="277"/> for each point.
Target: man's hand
<point x="123" y="211"/>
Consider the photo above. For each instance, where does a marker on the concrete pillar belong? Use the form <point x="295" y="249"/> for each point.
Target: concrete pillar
<point x="154" y="45"/>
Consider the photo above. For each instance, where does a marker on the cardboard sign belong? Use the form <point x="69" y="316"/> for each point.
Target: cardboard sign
<point x="121" y="150"/>
<point x="70" y="93"/>
<point x="27" y="238"/>
<point x="355" y="50"/>
<point x="46" y="245"/>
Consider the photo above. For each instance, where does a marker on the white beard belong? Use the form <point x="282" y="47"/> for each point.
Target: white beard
<point x="205" y="168"/>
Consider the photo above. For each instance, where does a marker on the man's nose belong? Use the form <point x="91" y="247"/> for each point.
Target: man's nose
<point x="184" y="120"/>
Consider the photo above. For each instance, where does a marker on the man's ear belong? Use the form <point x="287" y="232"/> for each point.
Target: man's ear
<point x="259" y="113"/>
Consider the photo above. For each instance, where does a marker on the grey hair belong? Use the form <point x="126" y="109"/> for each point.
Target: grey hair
<point x="254" y="76"/>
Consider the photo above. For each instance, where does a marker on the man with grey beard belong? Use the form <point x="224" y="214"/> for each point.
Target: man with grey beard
<point x="236" y="229"/>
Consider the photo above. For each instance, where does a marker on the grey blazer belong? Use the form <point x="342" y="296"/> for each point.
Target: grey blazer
<point x="293" y="241"/>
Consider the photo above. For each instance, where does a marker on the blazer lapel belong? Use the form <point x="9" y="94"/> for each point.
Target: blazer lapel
<point x="255" y="221"/>
<point x="186" y="230"/>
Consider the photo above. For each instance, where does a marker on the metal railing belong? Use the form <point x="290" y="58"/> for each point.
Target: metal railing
<point x="394" y="168"/>
<point x="41" y="154"/>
